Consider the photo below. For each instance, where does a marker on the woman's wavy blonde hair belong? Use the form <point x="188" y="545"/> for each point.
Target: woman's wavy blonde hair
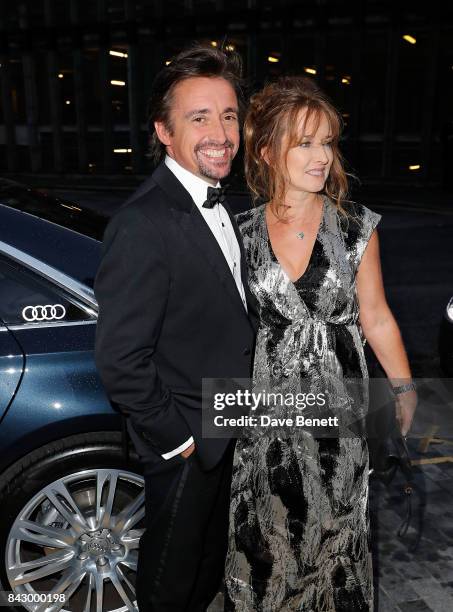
<point x="274" y="113"/>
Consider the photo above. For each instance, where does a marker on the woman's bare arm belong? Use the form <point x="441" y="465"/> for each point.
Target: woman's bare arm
<point x="382" y="331"/>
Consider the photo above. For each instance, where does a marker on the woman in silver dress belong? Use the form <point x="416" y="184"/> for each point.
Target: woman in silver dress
<point x="299" y="536"/>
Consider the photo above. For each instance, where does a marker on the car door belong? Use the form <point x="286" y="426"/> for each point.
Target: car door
<point x="53" y="321"/>
<point x="11" y="366"/>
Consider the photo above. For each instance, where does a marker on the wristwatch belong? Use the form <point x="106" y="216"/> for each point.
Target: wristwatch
<point x="404" y="388"/>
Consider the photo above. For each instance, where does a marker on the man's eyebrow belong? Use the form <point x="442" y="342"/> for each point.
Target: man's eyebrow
<point x="206" y="111"/>
<point x="200" y="111"/>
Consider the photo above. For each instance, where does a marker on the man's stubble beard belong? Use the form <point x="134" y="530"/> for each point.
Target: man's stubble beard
<point x="211" y="173"/>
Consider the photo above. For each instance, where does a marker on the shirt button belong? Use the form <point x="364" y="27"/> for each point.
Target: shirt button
<point x="247" y="351"/>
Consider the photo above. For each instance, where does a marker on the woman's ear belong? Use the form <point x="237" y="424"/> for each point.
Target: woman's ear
<point x="265" y="154"/>
<point x="162" y="132"/>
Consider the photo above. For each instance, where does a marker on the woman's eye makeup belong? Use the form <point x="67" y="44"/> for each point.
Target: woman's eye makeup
<point x="307" y="143"/>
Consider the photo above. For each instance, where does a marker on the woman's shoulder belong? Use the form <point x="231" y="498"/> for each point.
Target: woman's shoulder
<point x="249" y="218"/>
<point x="356" y="218"/>
<point x="357" y="211"/>
<point x="357" y="223"/>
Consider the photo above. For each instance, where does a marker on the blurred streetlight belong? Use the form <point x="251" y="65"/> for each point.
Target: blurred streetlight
<point x="118" y="83"/>
<point x="310" y="70"/>
<point x="410" y="39"/>
<point x="415" y="167"/>
<point x="272" y="59"/>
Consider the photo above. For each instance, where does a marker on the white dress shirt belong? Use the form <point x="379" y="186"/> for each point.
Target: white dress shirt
<point x="221" y="227"/>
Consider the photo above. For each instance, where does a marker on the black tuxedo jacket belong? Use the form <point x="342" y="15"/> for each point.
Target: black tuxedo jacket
<point x="170" y="314"/>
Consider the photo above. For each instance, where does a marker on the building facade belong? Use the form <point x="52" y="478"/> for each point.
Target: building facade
<point x="75" y="76"/>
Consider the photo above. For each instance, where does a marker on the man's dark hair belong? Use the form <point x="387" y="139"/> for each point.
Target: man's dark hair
<point x="196" y="61"/>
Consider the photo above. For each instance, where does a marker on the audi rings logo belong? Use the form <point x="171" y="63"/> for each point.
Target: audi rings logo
<point x="49" y="312"/>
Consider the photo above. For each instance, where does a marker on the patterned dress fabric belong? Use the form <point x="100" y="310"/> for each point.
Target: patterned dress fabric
<point x="299" y="532"/>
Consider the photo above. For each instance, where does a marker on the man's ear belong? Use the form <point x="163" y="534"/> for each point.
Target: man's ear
<point x="162" y="132"/>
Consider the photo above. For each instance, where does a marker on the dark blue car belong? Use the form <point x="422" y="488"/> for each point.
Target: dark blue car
<point x="71" y="500"/>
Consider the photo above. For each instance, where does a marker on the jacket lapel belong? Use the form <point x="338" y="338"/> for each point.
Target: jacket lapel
<point x="197" y="231"/>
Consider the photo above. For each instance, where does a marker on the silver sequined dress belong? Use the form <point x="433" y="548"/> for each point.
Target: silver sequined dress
<point x="299" y="537"/>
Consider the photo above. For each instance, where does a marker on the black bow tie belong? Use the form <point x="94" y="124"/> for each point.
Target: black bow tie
<point x="216" y="195"/>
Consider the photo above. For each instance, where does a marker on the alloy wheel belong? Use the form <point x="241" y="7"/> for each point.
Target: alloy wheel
<point x="76" y="541"/>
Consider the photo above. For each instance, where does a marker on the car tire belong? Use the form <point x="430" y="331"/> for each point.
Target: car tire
<point x="80" y="504"/>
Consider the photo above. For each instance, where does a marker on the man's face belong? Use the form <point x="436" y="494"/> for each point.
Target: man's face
<point x="204" y="132"/>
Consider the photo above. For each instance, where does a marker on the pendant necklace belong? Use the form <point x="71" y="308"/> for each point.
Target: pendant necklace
<point x="300" y="235"/>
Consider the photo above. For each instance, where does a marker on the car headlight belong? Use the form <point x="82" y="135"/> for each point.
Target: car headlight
<point x="450" y="310"/>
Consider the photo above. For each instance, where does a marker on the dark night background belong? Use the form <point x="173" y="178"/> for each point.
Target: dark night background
<point x="60" y="112"/>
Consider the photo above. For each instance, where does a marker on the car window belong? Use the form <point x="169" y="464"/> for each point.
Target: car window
<point x="67" y="214"/>
<point x="26" y="299"/>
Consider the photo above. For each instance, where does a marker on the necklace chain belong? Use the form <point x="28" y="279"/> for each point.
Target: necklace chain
<point x="299" y="234"/>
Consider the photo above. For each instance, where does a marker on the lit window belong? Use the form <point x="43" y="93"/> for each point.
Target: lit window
<point x="118" y="53"/>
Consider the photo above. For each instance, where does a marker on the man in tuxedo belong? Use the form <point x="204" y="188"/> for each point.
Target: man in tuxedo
<point x="174" y="308"/>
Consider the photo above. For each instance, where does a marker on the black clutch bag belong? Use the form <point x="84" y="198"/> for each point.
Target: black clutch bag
<point x="388" y="451"/>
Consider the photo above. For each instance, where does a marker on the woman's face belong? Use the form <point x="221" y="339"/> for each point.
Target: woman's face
<point x="308" y="163"/>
